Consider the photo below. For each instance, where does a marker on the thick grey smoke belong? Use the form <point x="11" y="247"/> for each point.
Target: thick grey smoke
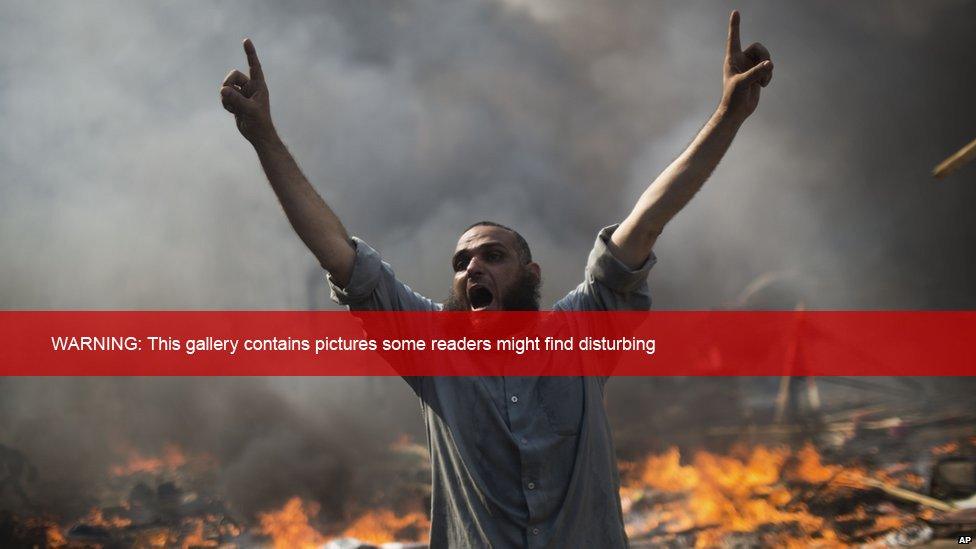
<point x="125" y="185"/>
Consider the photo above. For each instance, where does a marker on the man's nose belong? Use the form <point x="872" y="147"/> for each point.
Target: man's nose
<point x="475" y="267"/>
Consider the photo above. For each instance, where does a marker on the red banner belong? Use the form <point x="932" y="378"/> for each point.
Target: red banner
<point x="713" y="343"/>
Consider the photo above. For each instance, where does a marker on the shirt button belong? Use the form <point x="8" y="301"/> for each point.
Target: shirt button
<point x="531" y="486"/>
<point x="514" y="399"/>
<point x="525" y="440"/>
<point x="535" y="531"/>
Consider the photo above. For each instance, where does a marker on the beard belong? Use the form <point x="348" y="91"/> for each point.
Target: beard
<point x="524" y="296"/>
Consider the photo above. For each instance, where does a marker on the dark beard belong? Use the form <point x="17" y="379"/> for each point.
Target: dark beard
<point x="525" y="296"/>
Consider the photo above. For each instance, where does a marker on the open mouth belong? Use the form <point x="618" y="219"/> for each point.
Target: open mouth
<point x="480" y="298"/>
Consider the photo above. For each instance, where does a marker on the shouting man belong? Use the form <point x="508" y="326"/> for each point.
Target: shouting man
<point x="517" y="462"/>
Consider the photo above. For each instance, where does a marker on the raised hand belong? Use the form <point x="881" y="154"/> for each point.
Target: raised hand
<point x="746" y="73"/>
<point x="247" y="98"/>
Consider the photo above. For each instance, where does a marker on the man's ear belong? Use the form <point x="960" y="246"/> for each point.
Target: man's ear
<point x="536" y="269"/>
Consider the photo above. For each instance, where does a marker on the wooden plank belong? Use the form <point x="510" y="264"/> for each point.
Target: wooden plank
<point x="956" y="161"/>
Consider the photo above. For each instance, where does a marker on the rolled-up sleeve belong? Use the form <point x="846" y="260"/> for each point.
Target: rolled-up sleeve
<point x="373" y="286"/>
<point x="608" y="284"/>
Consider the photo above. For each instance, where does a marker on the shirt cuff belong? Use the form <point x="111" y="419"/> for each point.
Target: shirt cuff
<point x="602" y="266"/>
<point x="364" y="278"/>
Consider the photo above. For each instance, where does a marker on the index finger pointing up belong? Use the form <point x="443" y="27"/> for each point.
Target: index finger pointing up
<point x="252" y="60"/>
<point x="734" y="46"/>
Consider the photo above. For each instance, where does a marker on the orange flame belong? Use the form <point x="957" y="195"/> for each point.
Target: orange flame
<point x="289" y="528"/>
<point x="384" y="526"/>
<point x="195" y="538"/>
<point x="947" y="448"/>
<point x="53" y="537"/>
<point x="740" y="494"/>
<point x="666" y="473"/>
<point x="172" y="459"/>
<point x="96" y="518"/>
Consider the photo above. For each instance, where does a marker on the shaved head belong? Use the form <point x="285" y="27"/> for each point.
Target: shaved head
<point x="521" y="245"/>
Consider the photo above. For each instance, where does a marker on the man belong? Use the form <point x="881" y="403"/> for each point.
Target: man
<point x="517" y="462"/>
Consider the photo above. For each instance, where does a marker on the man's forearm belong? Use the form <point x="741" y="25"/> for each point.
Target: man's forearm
<point x="673" y="189"/>
<point x="316" y="224"/>
<point x="744" y="73"/>
<point x="247" y="97"/>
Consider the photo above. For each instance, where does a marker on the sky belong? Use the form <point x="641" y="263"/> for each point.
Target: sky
<point x="126" y="185"/>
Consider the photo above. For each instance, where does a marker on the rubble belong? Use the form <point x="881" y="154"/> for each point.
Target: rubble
<point x="860" y="478"/>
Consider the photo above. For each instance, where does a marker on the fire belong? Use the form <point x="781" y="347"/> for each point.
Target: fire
<point x="384" y="526"/>
<point x="666" y="473"/>
<point x="760" y="491"/>
<point x="810" y="468"/>
<point x="751" y="496"/>
<point x="95" y="517"/>
<point x="289" y="527"/>
<point x="947" y="448"/>
<point x="54" y="537"/>
<point x="172" y="459"/>
<point x="155" y="539"/>
<point x="195" y="538"/>
<point x="728" y="489"/>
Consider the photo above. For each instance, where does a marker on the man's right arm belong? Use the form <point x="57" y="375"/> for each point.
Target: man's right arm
<point x="316" y="224"/>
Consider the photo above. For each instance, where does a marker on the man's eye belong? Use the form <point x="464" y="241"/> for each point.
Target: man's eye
<point x="494" y="256"/>
<point x="459" y="265"/>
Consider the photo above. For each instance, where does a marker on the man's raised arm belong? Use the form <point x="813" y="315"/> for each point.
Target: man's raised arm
<point x="316" y="224"/>
<point x="745" y="73"/>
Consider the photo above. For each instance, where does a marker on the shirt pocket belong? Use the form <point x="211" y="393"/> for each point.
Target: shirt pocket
<point x="562" y="401"/>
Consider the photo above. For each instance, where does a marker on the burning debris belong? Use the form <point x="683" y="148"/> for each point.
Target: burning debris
<point x="169" y="501"/>
<point x="289" y="527"/>
<point x="170" y="461"/>
<point x="836" y="492"/>
<point x="772" y="496"/>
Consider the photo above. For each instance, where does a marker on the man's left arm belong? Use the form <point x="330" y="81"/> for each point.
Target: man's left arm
<point x="746" y="72"/>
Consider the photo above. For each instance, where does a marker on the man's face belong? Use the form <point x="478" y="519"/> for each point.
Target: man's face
<point x="489" y="274"/>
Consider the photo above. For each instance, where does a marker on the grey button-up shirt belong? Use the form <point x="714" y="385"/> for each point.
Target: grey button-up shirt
<point x="517" y="461"/>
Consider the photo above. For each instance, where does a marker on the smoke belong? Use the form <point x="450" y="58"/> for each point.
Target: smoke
<point x="267" y="439"/>
<point x="127" y="186"/>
